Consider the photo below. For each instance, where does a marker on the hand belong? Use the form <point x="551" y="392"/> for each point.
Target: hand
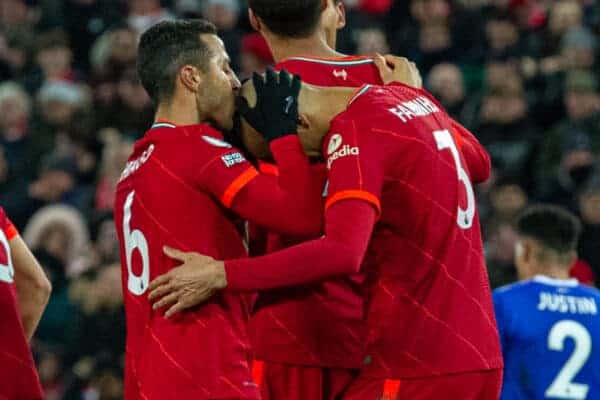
<point x="193" y="282"/>
<point x="398" y="69"/>
<point x="276" y="111"/>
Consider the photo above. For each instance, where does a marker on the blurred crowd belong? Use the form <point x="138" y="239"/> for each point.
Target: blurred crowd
<point x="521" y="74"/>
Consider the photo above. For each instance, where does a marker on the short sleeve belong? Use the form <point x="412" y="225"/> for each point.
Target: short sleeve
<point x="355" y="165"/>
<point x="6" y="225"/>
<point x="220" y="169"/>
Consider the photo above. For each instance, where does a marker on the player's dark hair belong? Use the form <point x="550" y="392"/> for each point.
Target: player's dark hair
<point x="165" y="48"/>
<point x="288" y="18"/>
<point x="553" y="227"/>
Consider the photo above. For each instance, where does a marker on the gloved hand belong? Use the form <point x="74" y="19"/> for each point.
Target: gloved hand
<point x="276" y="111"/>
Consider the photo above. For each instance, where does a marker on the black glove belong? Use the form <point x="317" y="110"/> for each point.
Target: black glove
<point x="276" y="111"/>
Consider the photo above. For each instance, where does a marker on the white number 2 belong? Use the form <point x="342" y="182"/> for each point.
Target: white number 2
<point x="137" y="284"/>
<point x="7" y="272"/>
<point x="563" y="386"/>
<point x="464" y="218"/>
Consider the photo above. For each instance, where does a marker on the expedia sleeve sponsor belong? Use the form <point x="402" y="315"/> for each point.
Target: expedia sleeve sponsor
<point x="336" y="149"/>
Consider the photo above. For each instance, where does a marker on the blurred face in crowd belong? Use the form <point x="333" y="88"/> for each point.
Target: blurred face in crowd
<point x="222" y="16"/>
<point x="57" y="112"/>
<point x="578" y="57"/>
<point x="581" y="104"/>
<point x="446" y="82"/>
<point x="502" y="243"/>
<point x="564" y="15"/>
<point x="55" y="61"/>
<point x="56" y="239"/>
<point x="142" y="7"/>
<point x="124" y="44"/>
<point x="371" y="41"/>
<point x="132" y="93"/>
<point x="503" y="108"/>
<point x="215" y="96"/>
<point x="589" y="207"/>
<point x="430" y="11"/>
<point x="14" y="112"/>
<point x="503" y="76"/>
<point x="13" y="12"/>
<point x="507" y="200"/>
<point x="501" y="34"/>
<point x="434" y="37"/>
<point x="333" y="18"/>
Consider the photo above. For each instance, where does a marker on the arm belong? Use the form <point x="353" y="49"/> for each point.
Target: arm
<point x="33" y="287"/>
<point x="289" y="204"/>
<point x="349" y="224"/>
<point x="348" y="227"/>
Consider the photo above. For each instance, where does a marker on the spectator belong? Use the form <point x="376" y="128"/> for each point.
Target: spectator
<point x="255" y="56"/>
<point x="224" y="14"/>
<point x="445" y="81"/>
<point x="142" y="14"/>
<point x="54" y="59"/>
<point x="506" y="129"/>
<point x="372" y="40"/>
<point x="582" y="103"/>
<point x="589" y="209"/>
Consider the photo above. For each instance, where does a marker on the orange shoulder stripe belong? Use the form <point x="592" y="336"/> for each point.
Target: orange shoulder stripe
<point x="354" y="194"/>
<point x="11" y="231"/>
<point x="391" y="388"/>
<point x="234" y="188"/>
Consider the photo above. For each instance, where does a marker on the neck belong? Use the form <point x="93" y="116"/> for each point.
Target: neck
<point x="178" y="112"/>
<point x="324" y="103"/>
<point x="314" y="45"/>
<point x="554" y="271"/>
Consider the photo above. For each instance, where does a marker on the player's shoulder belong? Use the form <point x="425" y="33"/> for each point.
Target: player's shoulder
<point x="199" y="136"/>
<point x="515" y="288"/>
<point x="6" y="225"/>
<point x="327" y="62"/>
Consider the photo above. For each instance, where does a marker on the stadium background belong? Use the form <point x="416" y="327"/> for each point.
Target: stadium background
<point x="521" y="74"/>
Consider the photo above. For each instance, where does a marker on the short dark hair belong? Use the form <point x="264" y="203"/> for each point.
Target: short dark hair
<point x="288" y="18"/>
<point x="554" y="227"/>
<point x="165" y="48"/>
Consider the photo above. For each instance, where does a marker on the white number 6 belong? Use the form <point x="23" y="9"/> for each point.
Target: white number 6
<point x="137" y="284"/>
<point x="7" y="272"/>
<point x="464" y="218"/>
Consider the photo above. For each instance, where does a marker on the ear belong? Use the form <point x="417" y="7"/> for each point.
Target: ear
<point x="254" y="21"/>
<point x="340" y="11"/>
<point x="528" y="250"/>
<point x="190" y="77"/>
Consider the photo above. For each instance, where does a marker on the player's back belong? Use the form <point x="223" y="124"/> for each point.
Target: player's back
<point x="348" y="71"/>
<point x="430" y="309"/>
<point x="18" y="375"/>
<point x="550" y="331"/>
<point x="201" y="353"/>
<point x="320" y="324"/>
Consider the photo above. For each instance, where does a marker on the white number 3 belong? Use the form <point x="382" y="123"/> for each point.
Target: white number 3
<point x="137" y="284"/>
<point x="464" y="218"/>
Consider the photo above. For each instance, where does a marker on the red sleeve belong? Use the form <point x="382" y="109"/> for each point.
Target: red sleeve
<point x="477" y="158"/>
<point x="348" y="228"/>
<point x="355" y="163"/>
<point x="290" y="203"/>
<point x="9" y="229"/>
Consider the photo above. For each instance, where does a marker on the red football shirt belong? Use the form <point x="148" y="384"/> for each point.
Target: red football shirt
<point x="430" y="309"/>
<point x="320" y="324"/>
<point x="176" y="190"/>
<point x="18" y="375"/>
<point x="429" y="302"/>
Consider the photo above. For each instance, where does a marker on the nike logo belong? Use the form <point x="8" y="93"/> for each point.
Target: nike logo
<point x="340" y="74"/>
<point x="289" y="101"/>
